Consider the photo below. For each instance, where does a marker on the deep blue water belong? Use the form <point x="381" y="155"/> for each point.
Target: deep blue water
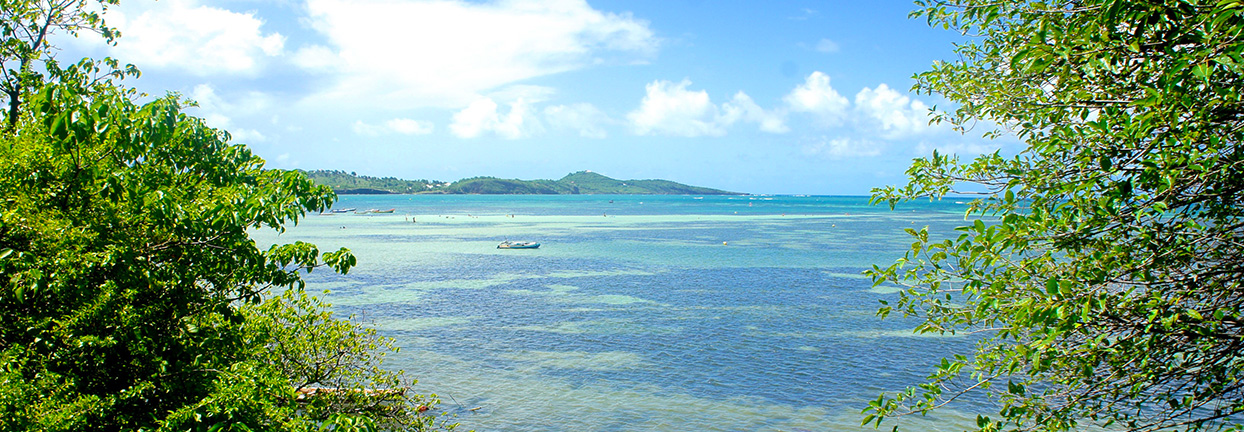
<point x="638" y="312"/>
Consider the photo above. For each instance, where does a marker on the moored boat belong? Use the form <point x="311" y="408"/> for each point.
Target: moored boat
<point x="518" y="245"/>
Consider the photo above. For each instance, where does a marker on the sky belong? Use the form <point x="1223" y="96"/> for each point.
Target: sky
<point x="763" y="97"/>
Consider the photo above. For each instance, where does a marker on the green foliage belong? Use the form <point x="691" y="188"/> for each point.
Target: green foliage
<point x="496" y="186"/>
<point x="1103" y="264"/>
<point x="131" y="294"/>
<point x="347" y="183"/>
<point x="25" y="29"/>
<point x="334" y="365"/>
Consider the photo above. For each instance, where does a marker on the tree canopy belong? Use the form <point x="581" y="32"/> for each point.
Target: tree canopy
<point x="26" y="52"/>
<point x="131" y="294"/>
<point x="1102" y="269"/>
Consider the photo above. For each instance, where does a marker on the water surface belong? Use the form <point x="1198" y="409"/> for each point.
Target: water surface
<point x="638" y="313"/>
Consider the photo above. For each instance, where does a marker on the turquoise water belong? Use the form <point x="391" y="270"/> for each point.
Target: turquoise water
<point x="638" y="313"/>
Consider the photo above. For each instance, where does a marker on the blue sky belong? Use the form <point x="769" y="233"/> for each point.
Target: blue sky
<point x="790" y="97"/>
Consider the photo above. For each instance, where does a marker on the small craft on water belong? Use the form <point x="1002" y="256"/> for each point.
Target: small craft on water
<point x="371" y="211"/>
<point x="518" y="245"/>
<point x="343" y="210"/>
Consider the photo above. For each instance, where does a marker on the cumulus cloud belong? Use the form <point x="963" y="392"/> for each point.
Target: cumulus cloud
<point x="246" y="104"/>
<point x="583" y="118"/>
<point x="482" y="116"/>
<point x="881" y="112"/>
<point x="817" y="97"/>
<point x="315" y="58"/>
<point x="893" y="114"/>
<point x="529" y="93"/>
<point x="247" y="135"/>
<point x="743" y="108"/>
<point x="670" y="109"/>
<point x="447" y="53"/>
<point x="839" y="148"/>
<point x="199" y="39"/>
<point x="213" y="108"/>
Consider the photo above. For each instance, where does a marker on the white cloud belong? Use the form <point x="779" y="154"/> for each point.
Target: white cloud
<point x="212" y="108"/>
<point x="840" y="148"/>
<point x="894" y="114"/>
<point x="407" y="126"/>
<point x="671" y="109"/>
<point x="211" y="102"/>
<point x="403" y="126"/>
<point x="315" y="58"/>
<point x="827" y="46"/>
<point x="447" y="53"/>
<point x="199" y="39"/>
<point x="817" y="97"/>
<point x="528" y="93"/>
<point x="742" y="107"/>
<point x="583" y="118"/>
<point x="247" y="135"/>
<point x="482" y="116"/>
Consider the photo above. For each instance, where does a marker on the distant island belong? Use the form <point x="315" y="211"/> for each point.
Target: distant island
<point x="582" y="182"/>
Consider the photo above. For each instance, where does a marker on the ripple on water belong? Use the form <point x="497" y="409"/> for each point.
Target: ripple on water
<point x="640" y="321"/>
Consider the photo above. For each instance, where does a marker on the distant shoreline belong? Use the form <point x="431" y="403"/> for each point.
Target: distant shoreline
<point x="578" y="183"/>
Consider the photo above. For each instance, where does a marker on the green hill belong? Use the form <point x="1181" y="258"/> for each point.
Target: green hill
<point x="496" y="186"/>
<point x="350" y="183"/>
<point x="587" y="182"/>
<point x="582" y="182"/>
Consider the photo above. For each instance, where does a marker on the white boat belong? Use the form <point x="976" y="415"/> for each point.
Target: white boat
<point x="518" y="245"/>
<point x="374" y="211"/>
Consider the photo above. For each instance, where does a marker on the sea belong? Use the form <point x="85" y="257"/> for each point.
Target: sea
<point x="640" y="312"/>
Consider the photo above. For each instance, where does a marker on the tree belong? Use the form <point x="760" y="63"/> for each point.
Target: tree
<point x="334" y="365"/>
<point x="1102" y="269"/>
<point x="25" y="29"/>
<point x="133" y="297"/>
<point x="131" y="294"/>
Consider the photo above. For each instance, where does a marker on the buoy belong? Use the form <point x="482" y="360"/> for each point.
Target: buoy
<point x="724" y="243"/>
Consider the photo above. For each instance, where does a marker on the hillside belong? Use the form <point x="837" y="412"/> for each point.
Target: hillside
<point x="587" y="182"/>
<point x="349" y="183"/>
<point x="582" y="182"/>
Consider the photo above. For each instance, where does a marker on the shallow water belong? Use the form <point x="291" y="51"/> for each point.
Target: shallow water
<point x="638" y="313"/>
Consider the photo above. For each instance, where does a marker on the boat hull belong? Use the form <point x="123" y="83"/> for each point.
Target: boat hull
<point x="518" y="245"/>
